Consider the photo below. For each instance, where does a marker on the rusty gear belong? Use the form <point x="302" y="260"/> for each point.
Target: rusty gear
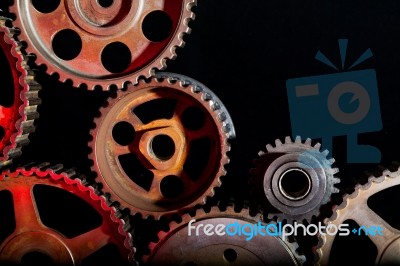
<point x="295" y="178"/>
<point x="31" y="235"/>
<point x="172" y="149"/>
<point x="221" y="250"/>
<point x="100" y="42"/>
<point x="355" y="207"/>
<point x="17" y="113"/>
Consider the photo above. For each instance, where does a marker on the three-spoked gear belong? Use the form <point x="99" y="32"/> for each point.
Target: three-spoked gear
<point x="296" y="178"/>
<point x="355" y="207"/>
<point x="18" y="95"/>
<point x="103" y="42"/>
<point x="161" y="145"/>
<point x="177" y="247"/>
<point x="28" y="229"/>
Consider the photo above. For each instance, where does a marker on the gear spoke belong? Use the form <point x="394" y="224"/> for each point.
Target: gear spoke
<point x="26" y="215"/>
<point x="368" y="218"/>
<point x="84" y="245"/>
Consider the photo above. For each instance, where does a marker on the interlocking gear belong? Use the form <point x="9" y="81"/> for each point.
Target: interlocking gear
<point x="31" y="235"/>
<point x="176" y="247"/>
<point x="103" y="42"/>
<point x="18" y="96"/>
<point x="161" y="145"/>
<point x="295" y="178"/>
<point x="355" y="207"/>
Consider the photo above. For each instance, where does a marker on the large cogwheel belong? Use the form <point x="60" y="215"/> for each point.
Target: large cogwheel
<point x="161" y="145"/>
<point x="18" y="95"/>
<point x="103" y="42"/>
<point x="177" y="247"/>
<point x="355" y="208"/>
<point x="296" y="178"/>
<point x="33" y="228"/>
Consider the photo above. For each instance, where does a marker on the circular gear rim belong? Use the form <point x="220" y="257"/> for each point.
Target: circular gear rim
<point x="244" y="215"/>
<point x="202" y="95"/>
<point x="293" y="150"/>
<point x="341" y="213"/>
<point x="74" y="183"/>
<point x="26" y="94"/>
<point x="159" y="61"/>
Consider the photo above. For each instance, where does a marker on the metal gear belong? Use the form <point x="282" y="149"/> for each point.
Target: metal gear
<point x="296" y="178"/>
<point x="19" y="96"/>
<point x="32" y="235"/>
<point x="103" y="42"/>
<point x="355" y="207"/>
<point x="175" y="247"/>
<point x="161" y="145"/>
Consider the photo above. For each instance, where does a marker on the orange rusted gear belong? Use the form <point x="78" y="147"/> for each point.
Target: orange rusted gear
<point x="104" y="43"/>
<point x="18" y="114"/>
<point x="31" y="235"/>
<point x="171" y="184"/>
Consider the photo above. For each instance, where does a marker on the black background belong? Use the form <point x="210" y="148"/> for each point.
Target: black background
<point x="245" y="51"/>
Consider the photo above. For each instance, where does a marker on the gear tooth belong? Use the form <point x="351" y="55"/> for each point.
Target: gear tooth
<point x="325" y="153"/>
<point x="270" y="148"/>
<point x="332" y="161"/>
<point x="308" y="142"/>
<point x="317" y="146"/>
<point x="298" y="139"/>
<point x="336" y="180"/>
<point x="288" y="140"/>
<point x="278" y="142"/>
<point x="335" y="171"/>
<point x="261" y="153"/>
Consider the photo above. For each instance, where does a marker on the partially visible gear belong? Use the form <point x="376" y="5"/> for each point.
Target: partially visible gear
<point x="103" y="42"/>
<point x="176" y="247"/>
<point x="161" y="145"/>
<point x="355" y="207"/>
<point x="296" y="178"/>
<point x="18" y="96"/>
<point x="31" y="235"/>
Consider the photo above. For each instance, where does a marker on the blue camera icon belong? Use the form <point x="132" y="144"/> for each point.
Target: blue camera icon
<point x="345" y="103"/>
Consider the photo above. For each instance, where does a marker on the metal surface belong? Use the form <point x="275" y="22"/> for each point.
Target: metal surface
<point x="175" y="247"/>
<point x="152" y="200"/>
<point x="93" y="28"/>
<point x="16" y="119"/>
<point x="295" y="178"/>
<point x="31" y="235"/>
<point x="355" y="207"/>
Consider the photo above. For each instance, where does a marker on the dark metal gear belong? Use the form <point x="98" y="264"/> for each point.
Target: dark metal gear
<point x="103" y="42"/>
<point x="296" y="178"/>
<point x="176" y="247"/>
<point x="31" y="235"/>
<point x="18" y="95"/>
<point x="161" y="145"/>
<point x="355" y="207"/>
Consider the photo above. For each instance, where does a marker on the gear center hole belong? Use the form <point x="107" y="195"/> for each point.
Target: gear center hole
<point x="163" y="147"/>
<point x="105" y="3"/>
<point x="37" y="258"/>
<point x="295" y="184"/>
